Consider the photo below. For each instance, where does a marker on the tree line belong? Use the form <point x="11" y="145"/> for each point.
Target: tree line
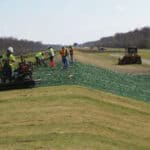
<point x="139" y="38"/>
<point x="22" y="47"/>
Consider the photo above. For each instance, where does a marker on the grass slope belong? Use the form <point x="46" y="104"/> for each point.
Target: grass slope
<point x="134" y="86"/>
<point x="71" y="118"/>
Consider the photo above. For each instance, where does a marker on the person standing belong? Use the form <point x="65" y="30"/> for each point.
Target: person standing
<point x="71" y="54"/>
<point x="51" y="55"/>
<point x="67" y="57"/>
<point x="63" y="53"/>
<point x="8" y="64"/>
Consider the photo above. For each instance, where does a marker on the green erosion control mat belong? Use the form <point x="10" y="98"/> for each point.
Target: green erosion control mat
<point x="134" y="86"/>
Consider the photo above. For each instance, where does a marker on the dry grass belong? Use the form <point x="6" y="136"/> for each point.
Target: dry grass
<point x="70" y="118"/>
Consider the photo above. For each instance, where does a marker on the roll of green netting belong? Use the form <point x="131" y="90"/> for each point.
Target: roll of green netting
<point x="134" y="86"/>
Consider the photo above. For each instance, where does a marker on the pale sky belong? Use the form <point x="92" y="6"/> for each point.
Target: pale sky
<point x="69" y="21"/>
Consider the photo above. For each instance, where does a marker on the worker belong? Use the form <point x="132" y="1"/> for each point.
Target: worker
<point x="64" y="55"/>
<point x="43" y="59"/>
<point x="51" y="55"/>
<point x="38" y="58"/>
<point x="8" y="65"/>
<point x="67" y="56"/>
<point x="71" y="54"/>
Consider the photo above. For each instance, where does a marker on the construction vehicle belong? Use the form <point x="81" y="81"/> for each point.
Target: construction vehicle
<point x="21" y="78"/>
<point x="101" y="49"/>
<point x="131" y="57"/>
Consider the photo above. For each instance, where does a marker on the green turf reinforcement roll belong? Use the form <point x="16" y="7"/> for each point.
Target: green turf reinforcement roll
<point x="134" y="86"/>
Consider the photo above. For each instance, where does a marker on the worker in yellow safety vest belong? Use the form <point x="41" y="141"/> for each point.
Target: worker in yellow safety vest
<point x="9" y="64"/>
<point x="40" y="58"/>
<point x="51" y="56"/>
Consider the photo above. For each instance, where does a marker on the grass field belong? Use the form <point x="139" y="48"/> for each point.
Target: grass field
<point x="71" y="118"/>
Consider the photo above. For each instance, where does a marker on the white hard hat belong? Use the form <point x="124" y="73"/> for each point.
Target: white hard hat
<point x="10" y="49"/>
